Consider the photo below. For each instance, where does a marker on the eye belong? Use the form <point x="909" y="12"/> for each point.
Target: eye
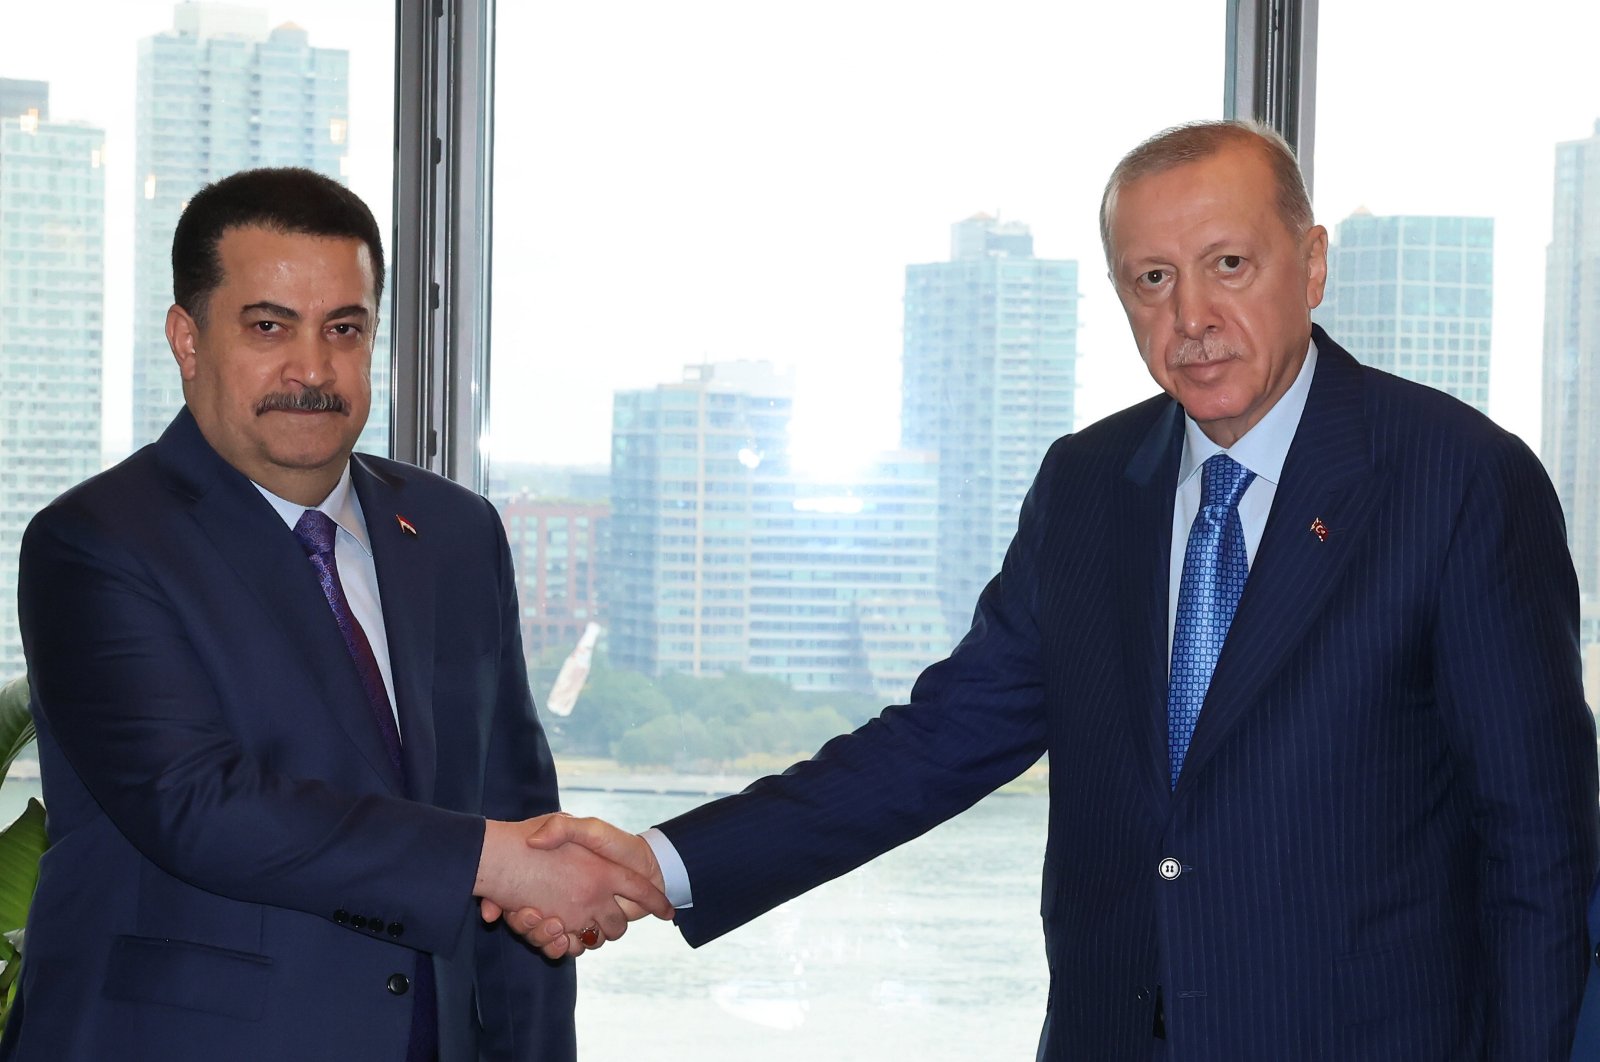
<point x="1152" y="277"/>
<point x="345" y="329"/>
<point x="1230" y="263"/>
<point x="267" y="328"/>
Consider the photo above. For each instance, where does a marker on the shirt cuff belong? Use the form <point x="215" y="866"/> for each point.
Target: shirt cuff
<point x="673" y="873"/>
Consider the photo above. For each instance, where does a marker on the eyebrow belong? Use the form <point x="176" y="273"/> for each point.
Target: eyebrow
<point x="284" y="313"/>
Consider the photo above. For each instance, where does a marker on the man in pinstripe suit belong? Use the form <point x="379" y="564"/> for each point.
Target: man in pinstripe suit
<point x="1378" y="843"/>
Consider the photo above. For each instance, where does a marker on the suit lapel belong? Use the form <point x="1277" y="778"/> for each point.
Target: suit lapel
<point x="1143" y="524"/>
<point x="1329" y="477"/>
<point x="407" y="564"/>
<point x="247" y="533"/>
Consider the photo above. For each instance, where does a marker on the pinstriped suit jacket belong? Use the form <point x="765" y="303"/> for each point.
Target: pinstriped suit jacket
<point x="1385" y="829"/>
<point x="1586" y="1048"/>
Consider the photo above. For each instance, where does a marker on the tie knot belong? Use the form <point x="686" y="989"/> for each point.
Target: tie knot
<point x="1223" y="481"/>
<point x="316" y="532"/>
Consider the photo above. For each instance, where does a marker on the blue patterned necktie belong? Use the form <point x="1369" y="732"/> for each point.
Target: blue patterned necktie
<point x="1214" y="569"/>
<point x="317" y="534"/>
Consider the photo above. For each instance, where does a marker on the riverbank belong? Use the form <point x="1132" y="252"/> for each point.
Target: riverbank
<point x="599" y="775"/>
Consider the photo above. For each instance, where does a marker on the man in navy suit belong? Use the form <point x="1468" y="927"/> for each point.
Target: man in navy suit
<point x="1377" y="841"/>
<point x="1586" y="1048"/>
<point x="283" y="719"/>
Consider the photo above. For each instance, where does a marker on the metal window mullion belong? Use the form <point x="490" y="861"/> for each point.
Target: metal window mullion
<point x="1271" y="71"/>
<point x="441" y="244"/>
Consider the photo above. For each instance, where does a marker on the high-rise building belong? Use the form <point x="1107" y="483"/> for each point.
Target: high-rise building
<point x="52" y="282"/>
<point x="990" y="352"/>
<point x="1571" y="436"/>
<point x="219" y="93"/>
<point x="842" y="593"/>
<point x="1414" y="296"/>
<point x="685" y="458"/>
<point x="719" y="557"/>
<point x="555" y="548"/>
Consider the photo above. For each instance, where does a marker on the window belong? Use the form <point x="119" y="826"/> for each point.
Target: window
<point x="741" y="242"/>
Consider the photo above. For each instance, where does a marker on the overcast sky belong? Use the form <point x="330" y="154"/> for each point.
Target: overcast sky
<point x="720" y="180"/>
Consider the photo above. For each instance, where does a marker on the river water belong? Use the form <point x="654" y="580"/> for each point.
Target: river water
<point x="931" y="953"/>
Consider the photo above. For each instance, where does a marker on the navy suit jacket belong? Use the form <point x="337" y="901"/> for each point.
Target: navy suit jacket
<point x="1586" y="1048"/>
<point x="236" y="871"/>
<point x="1382" y="840"/>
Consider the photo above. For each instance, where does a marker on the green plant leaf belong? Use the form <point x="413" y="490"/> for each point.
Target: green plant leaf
<point x="21" y="845"/>
<point x="16" y="723"/>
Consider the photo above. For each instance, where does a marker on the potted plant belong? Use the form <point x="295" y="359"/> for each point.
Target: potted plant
<point x="21" y="843"/>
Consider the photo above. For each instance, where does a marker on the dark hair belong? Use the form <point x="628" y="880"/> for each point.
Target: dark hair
<point x="1200" y="140"/>
<point x="286" y="200"/>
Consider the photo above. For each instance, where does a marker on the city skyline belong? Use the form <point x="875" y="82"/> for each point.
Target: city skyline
<point x="1058" y="199"/>
<point x="561" y="345"/>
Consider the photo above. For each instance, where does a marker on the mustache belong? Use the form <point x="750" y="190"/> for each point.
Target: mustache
<point x="305" y="400"/>
<point x="1200" y="351"/>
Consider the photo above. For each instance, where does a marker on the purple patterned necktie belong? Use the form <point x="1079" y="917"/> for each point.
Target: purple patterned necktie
<point x="317" y="533"/>
<point x="1215" y="566"/>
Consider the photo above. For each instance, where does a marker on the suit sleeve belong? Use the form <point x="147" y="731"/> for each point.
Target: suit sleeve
<point x="525" y="1001"/>
<point x="974" y="722"/>
<point x="120" y="688"/>
<point x="1510" y="688"/>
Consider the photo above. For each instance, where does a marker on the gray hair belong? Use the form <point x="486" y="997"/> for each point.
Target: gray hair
<point x="1195" y="141"/>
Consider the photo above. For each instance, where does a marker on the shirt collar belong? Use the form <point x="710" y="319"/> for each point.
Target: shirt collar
<point x="341" y="505"/>
<point x="1263" y="448"/>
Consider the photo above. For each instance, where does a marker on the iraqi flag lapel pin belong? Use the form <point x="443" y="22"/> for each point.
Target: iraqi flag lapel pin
<point x="1318" y="528"/>
<point x="406" y="526"/>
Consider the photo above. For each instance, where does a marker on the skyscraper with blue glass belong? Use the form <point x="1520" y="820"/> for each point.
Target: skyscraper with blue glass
<point x="989" y="372"/>
<point x="1571" y="408"/>
<point x="1414" y="296"/>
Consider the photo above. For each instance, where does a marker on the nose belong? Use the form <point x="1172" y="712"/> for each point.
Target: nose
<point x="310" y="362"/>
<point x="1195" y="311"/>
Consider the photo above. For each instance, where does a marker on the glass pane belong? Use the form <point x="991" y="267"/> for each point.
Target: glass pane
<point x="104" y="134"/>
<point x="1488" y="194"/>
<point x="789" y="303"/>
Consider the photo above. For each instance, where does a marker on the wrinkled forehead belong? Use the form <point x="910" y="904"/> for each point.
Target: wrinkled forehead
<point x="1191" y="204"/>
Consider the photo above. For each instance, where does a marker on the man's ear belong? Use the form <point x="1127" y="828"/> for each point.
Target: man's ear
<point x="183" y="336"/>
<point x="1316" y="251"/>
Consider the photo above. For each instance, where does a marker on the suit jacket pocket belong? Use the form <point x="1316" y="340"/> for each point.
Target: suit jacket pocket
<point x="179" y="973"/>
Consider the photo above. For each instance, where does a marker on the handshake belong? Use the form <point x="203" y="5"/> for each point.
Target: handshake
<point x="565" y="884"/>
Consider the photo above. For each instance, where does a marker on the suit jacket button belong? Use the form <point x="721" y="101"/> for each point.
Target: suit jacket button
<point x="1169" y="869"/>
<point x="395" y="929"/>
<point x="398" y="984"/>
<point x="359" y="921"/>
<point x="341" y="916"/>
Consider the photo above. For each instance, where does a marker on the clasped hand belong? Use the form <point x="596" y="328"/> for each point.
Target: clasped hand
<point x="553" y="876"/>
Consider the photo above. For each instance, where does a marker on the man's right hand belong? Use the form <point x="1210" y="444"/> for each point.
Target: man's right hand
<point x="564" y="834"/>
<point x="528" y="868"/>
